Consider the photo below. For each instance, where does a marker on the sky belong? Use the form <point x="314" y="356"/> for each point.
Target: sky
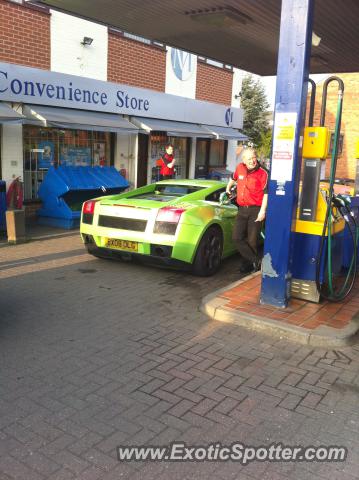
<point x="269" y="85"/>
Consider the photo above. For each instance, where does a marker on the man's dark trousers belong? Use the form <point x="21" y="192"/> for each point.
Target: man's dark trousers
<point x="246" y="233"/>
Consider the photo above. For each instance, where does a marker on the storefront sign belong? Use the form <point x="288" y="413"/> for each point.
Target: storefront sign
<point x="183" y="64"/>
<point x="34" y="86"/>
<point x="229" y="116"/>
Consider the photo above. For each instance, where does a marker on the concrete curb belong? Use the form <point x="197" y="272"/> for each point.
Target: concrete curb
<point x="33" y="238"/>
<point x="327" y="337"/>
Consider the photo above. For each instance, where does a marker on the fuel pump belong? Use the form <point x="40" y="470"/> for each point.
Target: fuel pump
<point x="322" y="215"/>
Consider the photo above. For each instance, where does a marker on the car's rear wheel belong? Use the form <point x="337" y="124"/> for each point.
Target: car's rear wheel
<point x="209" y="253"/>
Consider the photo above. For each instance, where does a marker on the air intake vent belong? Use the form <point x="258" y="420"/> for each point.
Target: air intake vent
<point x="122" y="223"/>
<point x="305" y="290"/>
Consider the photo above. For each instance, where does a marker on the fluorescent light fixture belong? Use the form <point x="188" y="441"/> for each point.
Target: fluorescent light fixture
<point x="219" y="16"/>
<point x="315" y="40"/>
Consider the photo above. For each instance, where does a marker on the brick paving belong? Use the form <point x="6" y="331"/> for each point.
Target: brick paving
<point x="245" y="298"/>
<point x="96" y="354"/>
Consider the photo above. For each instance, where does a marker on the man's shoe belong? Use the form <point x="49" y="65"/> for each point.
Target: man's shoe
<point x="246" y="268"/>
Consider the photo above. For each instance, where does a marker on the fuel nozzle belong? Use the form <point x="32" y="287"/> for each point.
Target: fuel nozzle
<point x="225" y="199"/>
<point x="338" y="201"/>
<point x="345" y="198"/>
<point x="342" y="203"/>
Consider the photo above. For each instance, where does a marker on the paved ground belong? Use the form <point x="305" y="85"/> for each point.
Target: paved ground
<point x="96" y="354"/>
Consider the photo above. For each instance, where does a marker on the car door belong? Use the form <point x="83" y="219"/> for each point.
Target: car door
<point x="227" y="214"/>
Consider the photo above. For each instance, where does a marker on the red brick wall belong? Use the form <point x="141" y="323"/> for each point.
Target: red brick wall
<point x="25" y="40"/>
<point x="135" y="63"/>
<point x="24" y="35"/>
<point x="346" y="165"/>
<point x="214" y="84"/>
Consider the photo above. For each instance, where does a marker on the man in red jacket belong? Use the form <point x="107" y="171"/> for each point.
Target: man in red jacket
<point x="252" y="197"/>
<point x="168" y="161"/>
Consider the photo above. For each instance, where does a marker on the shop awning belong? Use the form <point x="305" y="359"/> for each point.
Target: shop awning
<point x="8" y="115"/>
<point x="173" y="129"/>
<point x="78" y="119"/>
<point x="225" y="133"/>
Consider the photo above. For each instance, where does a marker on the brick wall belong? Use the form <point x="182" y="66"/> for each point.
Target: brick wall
<point x="135" y="63"/>
<point x="24" y="35"/>
<point x="350" y="120"/>
<point x="214" y="84"/>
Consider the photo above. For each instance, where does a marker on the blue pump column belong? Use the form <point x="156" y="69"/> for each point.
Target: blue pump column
<point x="291" y="93"/>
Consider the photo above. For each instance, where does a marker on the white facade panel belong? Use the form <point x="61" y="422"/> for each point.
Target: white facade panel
<point x="232" y="157"/>
<point x="11" y="152"/>
<point x="237" y="87"/>
<point x="192" y="158"/>
<point x="68" y="55"/>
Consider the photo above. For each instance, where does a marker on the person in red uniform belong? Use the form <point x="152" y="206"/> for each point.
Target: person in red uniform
<point x="168" y="162"/>
<point x="252" y="197"/>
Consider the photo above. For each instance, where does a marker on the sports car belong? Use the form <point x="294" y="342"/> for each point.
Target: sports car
<point x="174" y="222"/>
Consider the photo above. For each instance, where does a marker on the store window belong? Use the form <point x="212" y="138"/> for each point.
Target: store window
<point x="217" y="153"/>
<point x="46" y="147"/>
<point x="180" y="152"/>
<point x="202" y="155"/>
<point x="209" y="155"/>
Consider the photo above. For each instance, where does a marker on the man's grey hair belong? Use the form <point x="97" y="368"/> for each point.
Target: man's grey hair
<point x="249" y="152"/>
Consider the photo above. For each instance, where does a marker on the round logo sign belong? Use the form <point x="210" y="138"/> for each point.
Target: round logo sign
<point x="228" y="116"/>
<point x="183" y="64"/>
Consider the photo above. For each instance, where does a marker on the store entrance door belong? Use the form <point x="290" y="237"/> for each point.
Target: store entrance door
<point x="142" y="160"/>
<point x="210" y="154"/>
<point x="202" y="158"/>
<point x="34" y="173"/>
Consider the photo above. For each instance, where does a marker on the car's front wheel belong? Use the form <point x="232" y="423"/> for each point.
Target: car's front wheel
<point x="209" y="253"/>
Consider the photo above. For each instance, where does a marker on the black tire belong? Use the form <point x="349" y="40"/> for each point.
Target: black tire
<point x="209" y="253"/>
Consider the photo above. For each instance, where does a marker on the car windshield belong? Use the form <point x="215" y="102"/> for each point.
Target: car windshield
<point x="165" y="193"/>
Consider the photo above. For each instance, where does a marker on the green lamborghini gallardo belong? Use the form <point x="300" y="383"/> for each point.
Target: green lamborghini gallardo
<point x="175" y="222"/>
